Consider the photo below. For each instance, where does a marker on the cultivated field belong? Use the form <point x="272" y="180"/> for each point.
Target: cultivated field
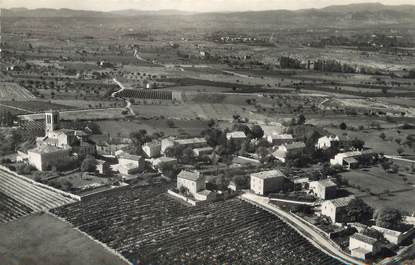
<point x="144" y="224"/>
<point x="10" y="91"/>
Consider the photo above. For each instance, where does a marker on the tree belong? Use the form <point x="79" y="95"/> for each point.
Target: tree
<point x="301" y="119"/>
<point x="358" y="210"/>
<point x="357" y="143"/>
<point x="382" y="136"/>
<point x="343" y="126"/>
<point x="89" y="164"/>
<point x="389" y="218"/>
<point x="257" y="132"/>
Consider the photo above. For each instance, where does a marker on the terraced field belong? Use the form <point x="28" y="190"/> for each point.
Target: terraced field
<point x="144" y="224"/>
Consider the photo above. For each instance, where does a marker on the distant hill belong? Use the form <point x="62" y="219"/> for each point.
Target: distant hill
<point x="354" y="15"/>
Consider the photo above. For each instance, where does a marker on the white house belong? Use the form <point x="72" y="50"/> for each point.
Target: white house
<point x="192" y="180"/>
<point x="324" y="189"/>
<point x="267" y="181"/>
<point x="363" y="247"/>
<point x="45" y="157"/>
<point x="278" y="139"/>
<point x="336" y="209"/>
<point x="130" y="164"/>
<point x="327" y="142"/>
<point x="287" y="150"/>
<point x="152" y="149"/>
<point x="347" y="159"/>
<point x="395" y="237"/>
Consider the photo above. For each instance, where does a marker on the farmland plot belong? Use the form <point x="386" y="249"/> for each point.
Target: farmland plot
<point x="10" y="91"/>
<point x="144" y="224"/>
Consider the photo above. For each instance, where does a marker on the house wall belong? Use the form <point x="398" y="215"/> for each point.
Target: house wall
<point x="43" y="161"/>
<point x="192" y="186"/>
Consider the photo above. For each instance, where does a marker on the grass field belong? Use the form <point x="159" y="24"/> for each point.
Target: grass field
<point x="374" y="181"/>
<point x="43" y="239"/>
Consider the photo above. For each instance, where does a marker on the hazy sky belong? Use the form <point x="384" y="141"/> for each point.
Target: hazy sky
<point x="193" y="5"/>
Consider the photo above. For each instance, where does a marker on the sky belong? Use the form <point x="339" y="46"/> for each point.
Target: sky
<point x="188" y="5"/>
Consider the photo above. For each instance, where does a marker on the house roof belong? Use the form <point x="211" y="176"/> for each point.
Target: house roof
<point x="236" y="135"/>
<point x="341" y="202"/>
<point x="350" y="160"/>
<point x="327" y="183"/>
<point x="364" y="238"/>
<point x="43" y="149"/>
<point x="129" y="157"/>
<point x="190" y="141"/>
<point x="295" y="145"/>
<point x="189" y="175"/>
<point x="281" y="136"/>
<point x="203" y="149"/>
<point x="268" y="174"/>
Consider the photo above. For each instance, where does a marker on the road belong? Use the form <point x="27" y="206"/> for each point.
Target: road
<point x="305" y="230"/>
<point x="122" y="87"/>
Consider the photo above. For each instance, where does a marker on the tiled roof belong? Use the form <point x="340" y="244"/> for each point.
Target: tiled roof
<point x="295" y="145"/>
<point x="364" y="238"/>
<point x="342" y="202"/>
<point x="189" y="175"/>
<point x="237" y="135"/>
<point x="268" y="174"/>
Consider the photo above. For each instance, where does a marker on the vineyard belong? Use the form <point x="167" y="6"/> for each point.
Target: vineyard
<point x="145" y="224"/>
<point x="146" y="94"/>
<point x="11" y="209"/>
<point x="19" y="196"/>
<point x="33" y="106"/>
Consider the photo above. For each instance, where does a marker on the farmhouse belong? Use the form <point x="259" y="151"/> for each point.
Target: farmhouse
<point x="336" y="209"/>
<point x="347" y="159"/>
<point x="327" y="142"/>
<point x="273" y="129"/>
<point x="152" y="149"/>
<point x="267" y="181"/>
<point x="45" y="157"/>
<point x="363" y="247"/>
<point x="192" y="180"/>
<point x="288" y="150"/>
<point x="324" y="189"/>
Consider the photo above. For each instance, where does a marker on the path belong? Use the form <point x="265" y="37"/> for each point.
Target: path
<point x="122" y="87"/>
<point x="305" y="230"/>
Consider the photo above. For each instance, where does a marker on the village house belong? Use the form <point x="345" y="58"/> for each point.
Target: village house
<point x="285" y="151"/>
<point x="107" y="146"/>
<point x="327" y="142"/>
<point x="347" y="159"/>
<point x="237" y="136"/>
<point x="152" y="149"/>
<point x="324" y="189"/>
<point x="130" y="164"/>
<point x="363" y="247"/>
<point x="190" y="142"/>
<point x="45" y="157"/>
<point x="267" y="181"/>
<point x="272" y="129"/>
<point x="192" y="180"/>
<point x="102" y="167"/>
<point x="164" y="161"/>
<point x="204" y="151"/>
<point x="395" y="237"/>
<point x="279" y="139"/>
<point x="336" y="209"/>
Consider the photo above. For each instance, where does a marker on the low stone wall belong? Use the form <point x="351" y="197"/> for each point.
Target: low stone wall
<point x="181" y="197"/>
